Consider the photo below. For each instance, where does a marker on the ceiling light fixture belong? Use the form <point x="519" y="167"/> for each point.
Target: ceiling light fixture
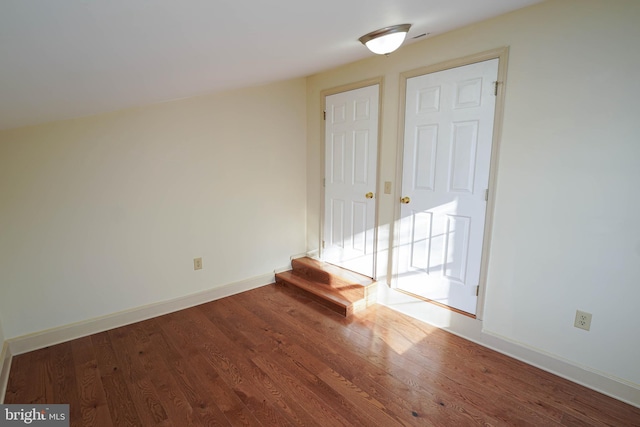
<point x="385" y="40"/>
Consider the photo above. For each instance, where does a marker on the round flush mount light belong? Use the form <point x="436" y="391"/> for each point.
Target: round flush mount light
<point x="385" y="40"/>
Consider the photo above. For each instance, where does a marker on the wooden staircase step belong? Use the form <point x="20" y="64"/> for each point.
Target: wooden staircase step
<point x="328" y="274"/>
<point x="343" y="291"/>
<point x="322" y="294"/>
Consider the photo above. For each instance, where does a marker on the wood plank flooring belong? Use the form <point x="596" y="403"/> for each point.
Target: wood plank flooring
<point x="272" y="357"/>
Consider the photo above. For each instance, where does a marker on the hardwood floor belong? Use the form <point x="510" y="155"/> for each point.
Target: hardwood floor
<point x="272" y="357"/>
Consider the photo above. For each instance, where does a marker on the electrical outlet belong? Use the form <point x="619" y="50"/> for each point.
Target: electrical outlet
<point x="583" y="320"/>
<point x="197" y="263"/>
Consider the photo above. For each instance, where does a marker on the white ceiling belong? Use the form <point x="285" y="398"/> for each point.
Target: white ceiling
<point x="70" y="58"/>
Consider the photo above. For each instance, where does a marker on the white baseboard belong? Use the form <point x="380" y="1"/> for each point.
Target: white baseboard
<point x="471" y="329"/>
<point x="38" y="340"/>
<point x="310" y="254"/>
<point x="315" y="253"/>
<point x="5" y="366"/>
<point x="300" y="255"/>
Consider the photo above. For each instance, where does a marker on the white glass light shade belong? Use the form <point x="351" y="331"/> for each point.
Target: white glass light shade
<point x="385" y="40"/>
<point x="386" y="44"/>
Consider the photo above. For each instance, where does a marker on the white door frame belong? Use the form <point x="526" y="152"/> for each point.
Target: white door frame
<point x="323" y="107"/>
<point x="502" y="55"/>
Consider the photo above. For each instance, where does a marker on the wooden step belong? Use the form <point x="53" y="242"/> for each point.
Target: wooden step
<point x="343" y="291"/>
<point x="329" y="274"/>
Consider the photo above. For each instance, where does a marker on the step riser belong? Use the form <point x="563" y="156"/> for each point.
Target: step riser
<point x="337" y="284"/>
<point x="344" y="311"/>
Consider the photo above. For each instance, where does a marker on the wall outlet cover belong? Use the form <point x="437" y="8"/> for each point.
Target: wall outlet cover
<point x="583" y="320"/>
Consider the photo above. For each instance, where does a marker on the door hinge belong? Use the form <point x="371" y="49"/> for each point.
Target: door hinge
<point x="323" y="244"/>
<point x="477" y="290"/>
<point x="324" y="115"/>
<point x="324" y="182"/>
<point x="495" y="88"/>
<point x="486" y="195"/>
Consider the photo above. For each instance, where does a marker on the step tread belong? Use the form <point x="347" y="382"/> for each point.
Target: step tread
<point x="344" y="298"/>
<point x="332" y="275"/>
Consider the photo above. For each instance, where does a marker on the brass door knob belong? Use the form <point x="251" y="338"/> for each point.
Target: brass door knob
<point x="369" y="195"/>
<point x="406" y="200"/>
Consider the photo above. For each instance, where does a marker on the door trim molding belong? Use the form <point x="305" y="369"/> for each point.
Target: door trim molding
<point x="502" y="54"/>
<point x="323" y="107"/>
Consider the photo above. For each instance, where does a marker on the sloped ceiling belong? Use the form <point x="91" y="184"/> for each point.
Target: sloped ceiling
<point x="71" y="58"/>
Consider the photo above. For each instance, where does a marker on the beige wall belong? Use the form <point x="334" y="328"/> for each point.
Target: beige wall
<point x="1" y="337"/>
<point x="106" y="213"/>
<point x="565" y="233"/>
<point x="4" y="353"/>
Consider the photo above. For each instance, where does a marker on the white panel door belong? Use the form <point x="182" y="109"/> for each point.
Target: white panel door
<point x="448" y="133"/>
<point x="351" y="145"/>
